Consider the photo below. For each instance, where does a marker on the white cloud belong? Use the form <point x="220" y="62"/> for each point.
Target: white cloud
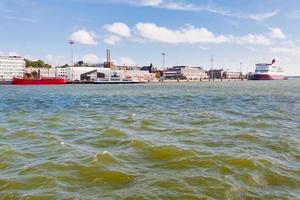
<point x="186" y="6"/>
<point x="250" y="48"/>
<point x="2" y="53"/>
<point x="6" y="10"/>
<point x="203" y="48"/>
<point x="294" y="15"/>
<point x="287" y="47"/>
<point x="91" y="58"/>
<point x="253" y="39"/>
<point x="55" y="60"/>
<point x="263" y="16"/>
<point x="188" y="34"/>
<point x="151" y="2"/>
<point x="112" y="39"/>
<point x="261" y="39"/>
<point x="118" y="28"/>
<point x="13" y="53"/>
<point x="195" y="35"/>
<point x="283" y="49"/>
<point x="277" y="33"/>
<point x="21" y="19"/>
<point x="83" y="37"/>
<point x="125" y="61"/>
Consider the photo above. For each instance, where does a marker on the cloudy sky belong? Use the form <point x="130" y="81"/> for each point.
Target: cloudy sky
<point x="190" y="32"/>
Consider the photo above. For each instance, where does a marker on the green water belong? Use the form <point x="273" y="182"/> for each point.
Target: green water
<point x="230" y="140"/>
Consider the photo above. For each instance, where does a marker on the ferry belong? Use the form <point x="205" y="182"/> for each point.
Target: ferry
<point x="268" y="71"/>
<point x="39" y="81"/>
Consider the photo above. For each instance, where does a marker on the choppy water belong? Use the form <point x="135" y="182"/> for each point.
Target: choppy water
<point x="230" y="140"/>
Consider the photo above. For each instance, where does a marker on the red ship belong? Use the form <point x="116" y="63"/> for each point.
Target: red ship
<point x="39" y="81"/>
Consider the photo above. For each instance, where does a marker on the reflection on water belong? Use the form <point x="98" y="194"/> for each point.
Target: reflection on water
<point x="230" y="140"/>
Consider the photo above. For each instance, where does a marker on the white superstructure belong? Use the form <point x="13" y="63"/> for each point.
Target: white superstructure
<point x="10" y="67"/>
<point x="265" y="68"/>
<point x="266" y="71"/>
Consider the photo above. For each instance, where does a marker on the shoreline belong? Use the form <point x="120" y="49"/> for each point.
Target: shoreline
<point x="134" y="83"/>
<point x="145" y="82"/>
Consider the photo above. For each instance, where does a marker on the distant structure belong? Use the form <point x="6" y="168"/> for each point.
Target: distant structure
<point x="61" y="71"/>
<point x="41" y="71"/>
<point x="71" y="52"/>
<point x="109" y="63"/>
<point x="10" y="67"/>
<point x="148" y="68"/>
<point x="163" y="57"/>
<point x="224" y="74"/>
<point x="185" y="73"/>
<point x="92" y="75"/>
<point x="84" y="72"/>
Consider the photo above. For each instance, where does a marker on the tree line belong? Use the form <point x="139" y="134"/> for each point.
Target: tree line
<point x="36" y="64"/>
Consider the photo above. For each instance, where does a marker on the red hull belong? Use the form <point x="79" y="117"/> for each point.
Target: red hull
<point x="41" y="81"/>
<point x="269" y="77"/>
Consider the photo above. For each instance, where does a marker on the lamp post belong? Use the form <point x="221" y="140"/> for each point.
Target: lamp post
<point x="71" y="42"/>
<point x="241" y="65"/>
<point x="163" y="55"/>
<point x="211" y="67"/>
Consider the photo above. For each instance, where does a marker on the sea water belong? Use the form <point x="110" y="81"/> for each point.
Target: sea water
<point x="214" y="140"/>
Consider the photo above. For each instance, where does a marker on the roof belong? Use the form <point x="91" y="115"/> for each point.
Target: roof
<point x="88" y="73"/>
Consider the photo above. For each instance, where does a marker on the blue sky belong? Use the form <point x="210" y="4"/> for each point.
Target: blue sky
<point x="138" y="31"/>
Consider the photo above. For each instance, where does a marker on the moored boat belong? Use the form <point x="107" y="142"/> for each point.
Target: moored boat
<point x="268" y="71"/>
<point x="39" y="81"/>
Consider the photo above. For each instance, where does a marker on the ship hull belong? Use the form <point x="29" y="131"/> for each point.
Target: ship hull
<point x="268" y="77"/>
<point x="42" y="81"/>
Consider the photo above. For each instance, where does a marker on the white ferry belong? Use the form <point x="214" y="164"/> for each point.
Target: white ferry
<point x="266" y="71"/>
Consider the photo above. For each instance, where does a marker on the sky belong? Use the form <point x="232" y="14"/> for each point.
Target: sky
<point x="236" y="33"/>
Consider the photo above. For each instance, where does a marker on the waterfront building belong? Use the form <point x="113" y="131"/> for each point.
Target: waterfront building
<point x="232" y="75"/>
<point x="92" y="76"/>
<point x="224" y="74"/>
<point x="173" y="73"/>
<point x="149" y="68"/>
<point x="185" y="72"/>
<point x="94" y="73"/>
<point x="10" y="67"/>
<point x="42" y="71"/>
<point x="61" y="71"/>
<point x="137" y="75"/>
<point x="74" y="73"/>
<point x="216" y="73"/>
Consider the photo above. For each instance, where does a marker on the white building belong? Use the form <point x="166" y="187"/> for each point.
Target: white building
<point x="136" y="75"/>
<point x="44" y="72"/>
<point x="74" y="73"/>
<point x="185" y="72"/>
<point x="61" y="72"/>
<point x="10" y="67"/>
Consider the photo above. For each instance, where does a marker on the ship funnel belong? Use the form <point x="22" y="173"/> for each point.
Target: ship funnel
<point x="273" y="61"/>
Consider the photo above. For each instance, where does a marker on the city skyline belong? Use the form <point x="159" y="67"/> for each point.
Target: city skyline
<point x="140" y="31"/>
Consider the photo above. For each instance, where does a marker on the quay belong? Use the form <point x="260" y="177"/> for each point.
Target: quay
<point x="15" y="67"/>
<point x="154" y="81"/>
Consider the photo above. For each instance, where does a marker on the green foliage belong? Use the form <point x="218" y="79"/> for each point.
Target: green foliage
<point x="36" y="64"/>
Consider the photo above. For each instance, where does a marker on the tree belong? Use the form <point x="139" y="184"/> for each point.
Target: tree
<point x="36" y="64"/>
